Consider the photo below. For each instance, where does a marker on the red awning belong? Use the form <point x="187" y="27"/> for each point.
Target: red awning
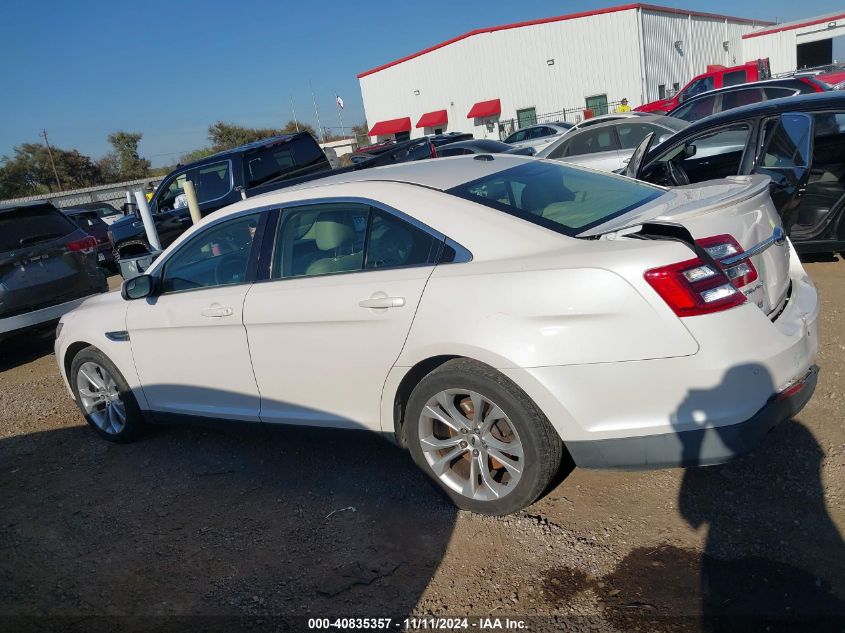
<point x="391" y="127"/>
<point x="432" y="119"/>
<point x="484" y="109"/>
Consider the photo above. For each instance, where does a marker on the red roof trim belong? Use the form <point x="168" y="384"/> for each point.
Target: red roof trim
<point x="430" y="119"/>
<point x="791" y="27"/>
<point x="391" y="126"/>
<point x="483" y="109"/>
<point x="562" y="18"/>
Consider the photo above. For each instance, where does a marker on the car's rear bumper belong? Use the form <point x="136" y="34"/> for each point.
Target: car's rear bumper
<point x="698" y="447"/>
<point x="38" y="317"/>
<point x="696" y="409"/>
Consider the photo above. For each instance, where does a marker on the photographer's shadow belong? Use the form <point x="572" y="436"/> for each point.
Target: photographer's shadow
<point x="773" y="556"/>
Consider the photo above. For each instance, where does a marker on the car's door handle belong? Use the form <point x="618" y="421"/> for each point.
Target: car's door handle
<point x="217" y="311"/>
<point x="382" y="302"/>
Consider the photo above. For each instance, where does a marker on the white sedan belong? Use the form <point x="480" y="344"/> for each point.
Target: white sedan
<point x="489" y="313"/>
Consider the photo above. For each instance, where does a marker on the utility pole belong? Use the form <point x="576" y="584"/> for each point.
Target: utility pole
<point x="295" y="122"/>
<point x="320" y="131"/>
<point x="50" y="154"/>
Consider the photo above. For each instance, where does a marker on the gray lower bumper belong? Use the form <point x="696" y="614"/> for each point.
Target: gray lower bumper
<point x="699" y="447"/>
<point x="38" y="317"/>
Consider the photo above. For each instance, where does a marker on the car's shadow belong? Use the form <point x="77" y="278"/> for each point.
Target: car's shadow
<point x="241" y="520"/>
<point x="25" y="347"/>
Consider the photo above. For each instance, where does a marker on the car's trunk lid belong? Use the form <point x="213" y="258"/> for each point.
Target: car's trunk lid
<point x="739" y="206"/>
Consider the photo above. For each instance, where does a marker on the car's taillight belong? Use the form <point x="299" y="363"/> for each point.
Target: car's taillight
<point x="815" y="85"/>
<point x="721" y="246"/>
<point x="433" y="150"/>
<point x="694" y="287"/>
<point x="85" y="245"/>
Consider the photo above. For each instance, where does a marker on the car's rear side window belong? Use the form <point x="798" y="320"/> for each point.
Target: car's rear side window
<point x="282" y="161"/>
<point x="30" y="225"/>
<point x="559" y="197"/>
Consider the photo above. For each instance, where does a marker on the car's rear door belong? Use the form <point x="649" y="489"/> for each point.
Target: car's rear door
<point x="327" y="327"/>
<point x="45" y="260"/>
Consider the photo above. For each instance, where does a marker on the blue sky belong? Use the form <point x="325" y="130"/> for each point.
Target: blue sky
<point x="168" y="69"/>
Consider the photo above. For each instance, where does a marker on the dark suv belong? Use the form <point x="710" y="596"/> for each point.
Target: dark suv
<point x="48" y="266"/>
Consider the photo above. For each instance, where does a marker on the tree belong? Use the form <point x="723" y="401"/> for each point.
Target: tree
<point x="130" y="165"/>
<point x="291" y="127"/>
<point x="225" y="136"/>
<point x="29" y="172"/>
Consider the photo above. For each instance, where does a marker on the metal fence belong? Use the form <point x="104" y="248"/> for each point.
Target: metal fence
<point x="114" y="194"/>
<point x="567" y="115"/>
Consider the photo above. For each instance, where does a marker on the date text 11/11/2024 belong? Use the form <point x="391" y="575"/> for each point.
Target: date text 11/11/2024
<point x="417" y="624"/>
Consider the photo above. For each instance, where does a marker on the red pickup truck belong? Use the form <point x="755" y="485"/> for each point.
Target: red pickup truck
<point x="717" y="76"/>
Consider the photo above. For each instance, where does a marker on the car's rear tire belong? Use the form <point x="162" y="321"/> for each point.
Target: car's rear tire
<point x="104" y="397"/>
<point x="494" y="463"/>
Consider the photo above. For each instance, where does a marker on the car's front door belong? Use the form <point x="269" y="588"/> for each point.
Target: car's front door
<point x="328" y="326"/>
<point x="785" y="154"/>
<point x="188" y="340"/>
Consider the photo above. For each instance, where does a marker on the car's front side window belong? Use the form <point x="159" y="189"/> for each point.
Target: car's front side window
<point x="216" y="256"/>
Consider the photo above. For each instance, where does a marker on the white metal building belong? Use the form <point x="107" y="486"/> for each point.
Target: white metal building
<point x="522" y="71"/>
<point x="806" y="43"/>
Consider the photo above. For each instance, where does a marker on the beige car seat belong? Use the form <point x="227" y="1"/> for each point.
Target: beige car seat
<point x="337" y="241"/>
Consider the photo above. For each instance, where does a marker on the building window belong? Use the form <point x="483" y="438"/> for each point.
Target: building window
<point x="526" y="117"/>
<point x="675" y="87"/>
<point x="661" y="91"/>
<point x="597" y="104"/>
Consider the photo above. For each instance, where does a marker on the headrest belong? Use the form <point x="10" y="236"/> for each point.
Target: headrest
<point x="330" y="233"/>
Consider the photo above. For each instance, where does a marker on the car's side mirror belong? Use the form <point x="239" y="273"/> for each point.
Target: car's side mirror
<point x="137" y="287"/>
<point x="689" y="151"/>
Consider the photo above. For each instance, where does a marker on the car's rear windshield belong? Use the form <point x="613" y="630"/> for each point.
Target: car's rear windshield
<point x="282" y="161"/>
<point x="26" y="226"/>
<point x="559" y="197"/>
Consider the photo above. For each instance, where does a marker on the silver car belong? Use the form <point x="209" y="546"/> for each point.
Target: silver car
<point x="608" y="146"/>
<point x="538" y="136"/>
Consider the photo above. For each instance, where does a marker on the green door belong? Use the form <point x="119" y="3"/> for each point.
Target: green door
<point x="598" y="104"/>
<point x="526" y="117"/>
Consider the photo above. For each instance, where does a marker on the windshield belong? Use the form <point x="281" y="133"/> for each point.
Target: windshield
<point x="559" y="197"/>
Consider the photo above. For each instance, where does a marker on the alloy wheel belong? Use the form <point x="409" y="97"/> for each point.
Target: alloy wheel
<point x="471" y="445"/>
<point x="100" y="398"/>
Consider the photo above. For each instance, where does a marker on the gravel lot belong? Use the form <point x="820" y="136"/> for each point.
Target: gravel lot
<point x="252" y="522"/>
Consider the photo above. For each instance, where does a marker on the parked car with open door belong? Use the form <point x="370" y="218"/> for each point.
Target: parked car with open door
<point x="797" y="142"/>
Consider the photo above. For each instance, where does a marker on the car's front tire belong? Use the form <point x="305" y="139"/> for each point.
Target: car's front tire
<point x="481" y="438"/>
<point x="104" y="397"/>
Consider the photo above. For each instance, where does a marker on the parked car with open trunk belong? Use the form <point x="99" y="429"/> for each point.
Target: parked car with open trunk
<point x="487" y="312"/>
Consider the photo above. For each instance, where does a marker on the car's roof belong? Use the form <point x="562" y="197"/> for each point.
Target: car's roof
<point x="264" y="142"/>
<point x="89" y="205"/>
<point x="657" y="119"/>
<point x="440" y="174"/>
<point x="811" y="101"/>
<point x="14" y="206"/>
<point x="783" y="81"/>
<point x="476" y="143"/>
